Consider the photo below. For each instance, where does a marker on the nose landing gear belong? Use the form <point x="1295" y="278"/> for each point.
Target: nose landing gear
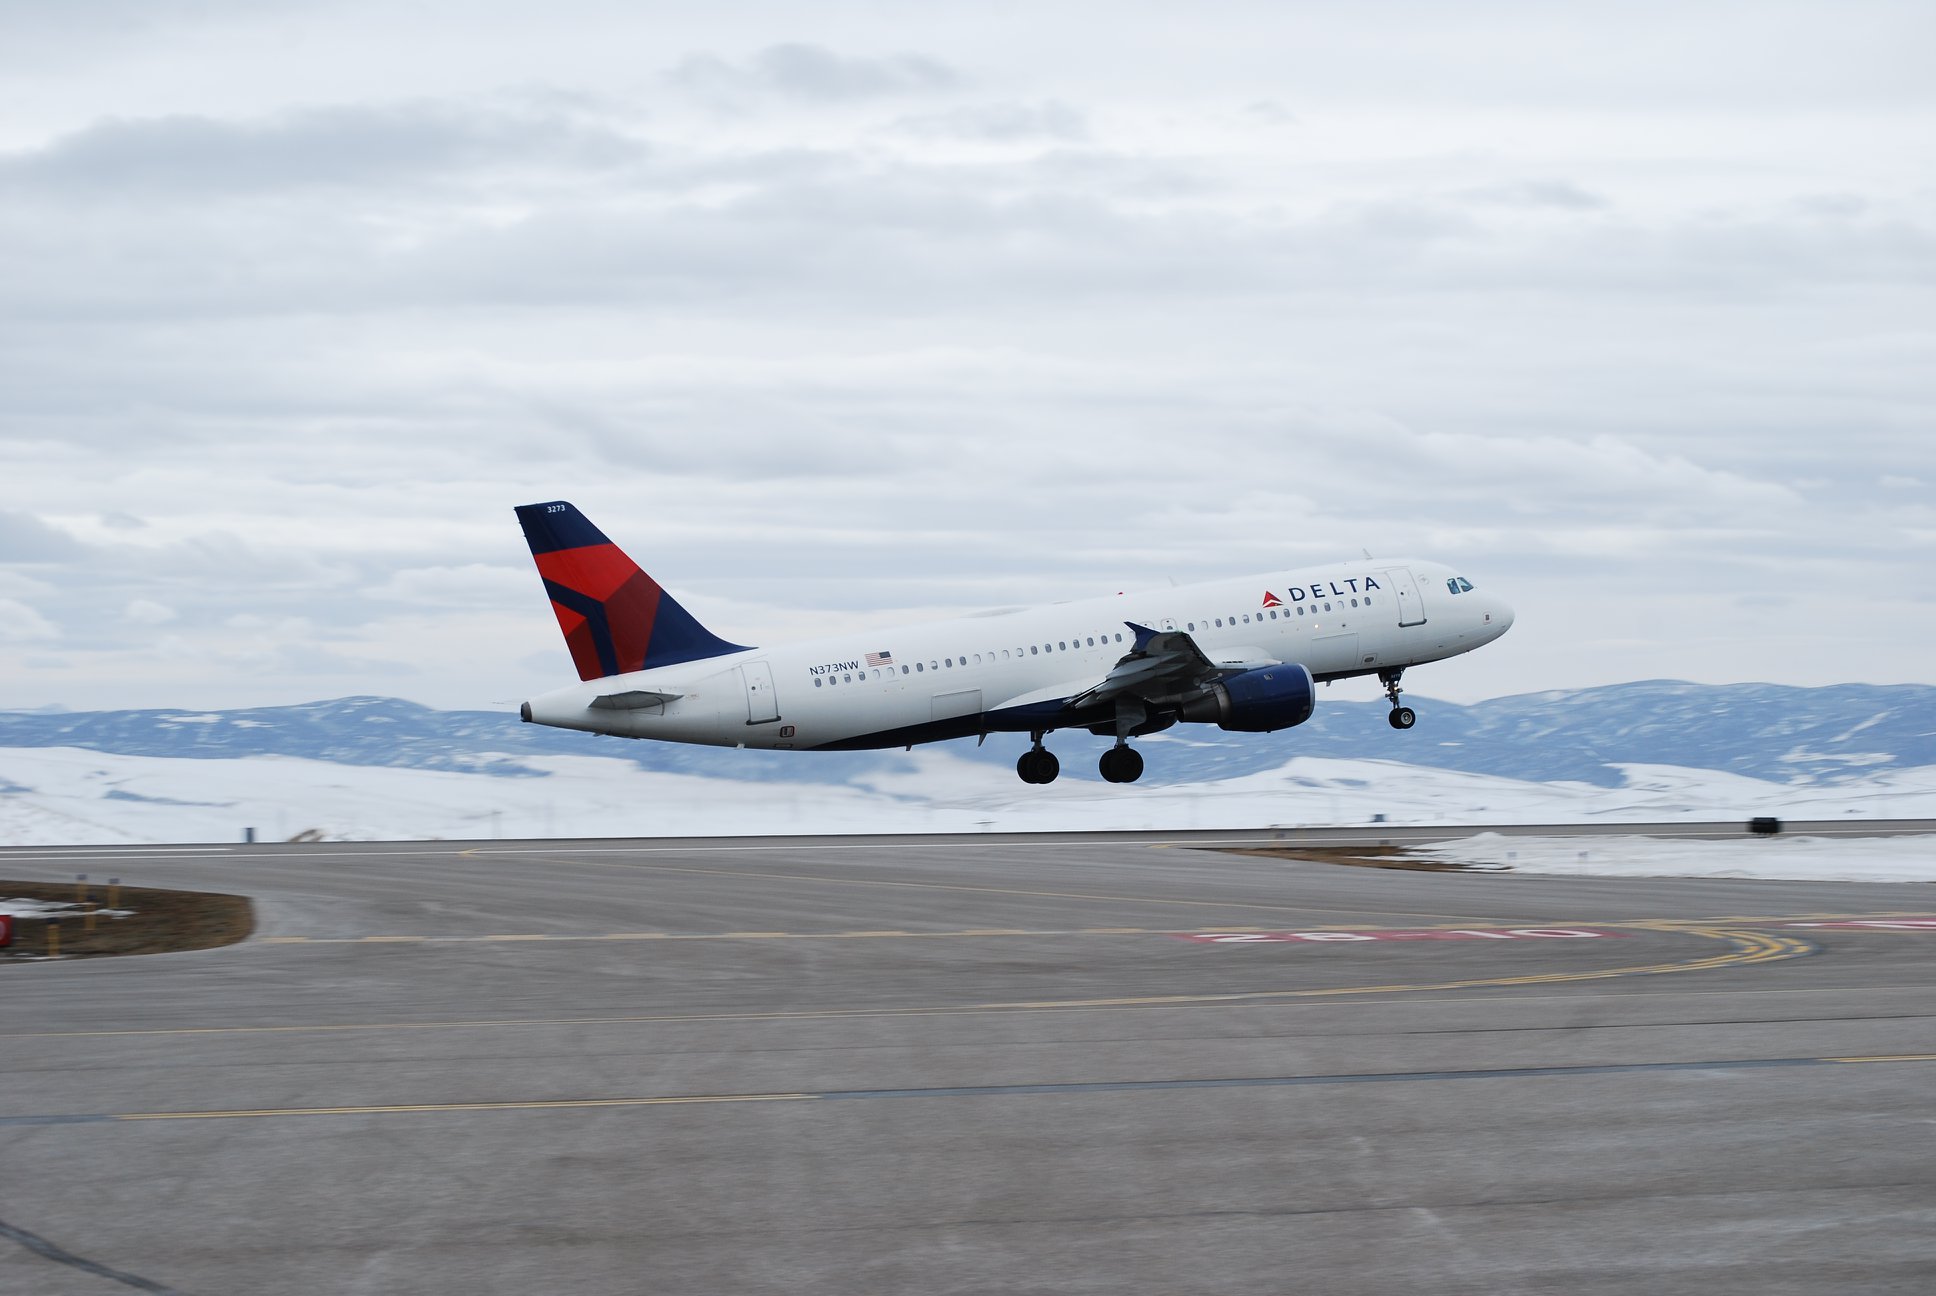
<point x="1401" y="717"/>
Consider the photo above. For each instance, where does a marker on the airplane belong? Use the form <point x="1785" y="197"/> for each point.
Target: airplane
<point x="1244" y="654"/>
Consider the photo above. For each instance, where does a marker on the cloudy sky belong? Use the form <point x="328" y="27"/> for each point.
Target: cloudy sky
<point x="862" y="312"/>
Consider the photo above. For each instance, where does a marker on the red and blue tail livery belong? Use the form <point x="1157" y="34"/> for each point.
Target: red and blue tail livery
<point x="616" y="619"/>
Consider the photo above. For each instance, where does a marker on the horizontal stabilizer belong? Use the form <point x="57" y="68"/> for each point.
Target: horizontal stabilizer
<point x="632" y="700"/>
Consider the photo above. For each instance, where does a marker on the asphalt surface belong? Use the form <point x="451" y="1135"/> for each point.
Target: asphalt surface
<point x="956" y="1065"/>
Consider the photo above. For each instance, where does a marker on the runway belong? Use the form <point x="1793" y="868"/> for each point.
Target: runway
<point x="1116" y="1063"/>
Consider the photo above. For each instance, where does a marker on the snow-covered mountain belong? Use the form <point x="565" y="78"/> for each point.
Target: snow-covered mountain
<point x="1761" y="731"/>
<point x="386" y="769"/>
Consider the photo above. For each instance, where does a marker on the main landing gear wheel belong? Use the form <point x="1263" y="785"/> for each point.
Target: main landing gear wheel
<point x="1038" y="765"/>
<point x="1402" y="717"/>
<point x="1121" y="765"/>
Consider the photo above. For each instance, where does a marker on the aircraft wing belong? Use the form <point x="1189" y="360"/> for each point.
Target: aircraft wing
<point x="1163" y="663"/>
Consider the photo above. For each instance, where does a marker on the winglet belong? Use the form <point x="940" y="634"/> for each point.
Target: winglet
<point x="1143" y="635"/>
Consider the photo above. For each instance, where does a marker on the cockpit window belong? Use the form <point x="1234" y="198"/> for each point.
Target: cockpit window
<point x="1465" y="586"/>
<point x="1457" y="584"/>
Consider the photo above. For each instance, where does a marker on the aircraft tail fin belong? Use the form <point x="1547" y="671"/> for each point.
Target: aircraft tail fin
<point x="615" y="618"/>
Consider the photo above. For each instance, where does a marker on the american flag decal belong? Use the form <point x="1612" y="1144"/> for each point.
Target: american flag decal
<point x="880" y="659"/>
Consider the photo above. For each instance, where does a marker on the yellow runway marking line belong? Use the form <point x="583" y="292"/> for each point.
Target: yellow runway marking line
<point x="703" y="936"/>
<point x="390" y="1109"/>
<point x="1662" y="926"/>
<point x="1750" y="948"/>
<point x="1752" y="919"/>
<point x="884" y="934"/>
<point x="1402" y="996"/>
<point x="565" y="937"/>
<point x="583" y="1104"/>
<point x="983" y="890"/>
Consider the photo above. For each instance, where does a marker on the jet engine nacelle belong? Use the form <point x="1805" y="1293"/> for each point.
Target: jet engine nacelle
<point x="1257" y="701"/>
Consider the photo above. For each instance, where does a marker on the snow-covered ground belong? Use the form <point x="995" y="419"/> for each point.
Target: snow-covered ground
<point x="22" y="907"/>
<point x="57" y="795"/>
<point x="1865" y="859"/>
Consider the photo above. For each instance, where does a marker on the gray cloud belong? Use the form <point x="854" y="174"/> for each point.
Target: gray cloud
<point x="1270" y="112"/>
<point x="24" y="538"/>
<point x="848" y="231"/>
<point x="1833" y="206"/>
<point x="801" y="71"/>
<point x="1561" y="194"/>
<point x="898" y="335"/>
<point x="999" y="122"/>
<point x="22" y="624"/>
<point x="344" y="146"/>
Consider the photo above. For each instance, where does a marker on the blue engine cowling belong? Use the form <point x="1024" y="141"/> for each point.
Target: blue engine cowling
<point x="1257" y="701"/>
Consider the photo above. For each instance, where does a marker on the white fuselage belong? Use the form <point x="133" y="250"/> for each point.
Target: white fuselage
<point x="1010" y="670"/>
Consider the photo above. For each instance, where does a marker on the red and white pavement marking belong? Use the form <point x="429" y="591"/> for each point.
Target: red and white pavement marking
<point x="1402" y="934"/>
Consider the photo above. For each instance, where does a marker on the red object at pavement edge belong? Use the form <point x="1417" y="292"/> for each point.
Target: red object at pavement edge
<point x="6" y="930"/>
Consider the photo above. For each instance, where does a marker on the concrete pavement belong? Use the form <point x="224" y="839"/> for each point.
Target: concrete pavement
<point x="969" y="1065"/>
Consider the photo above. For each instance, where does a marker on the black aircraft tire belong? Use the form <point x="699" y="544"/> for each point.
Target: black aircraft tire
<point x="1403" y="717"/>
<point x="1121" y="765"/>
<point x="1038" y="765"/>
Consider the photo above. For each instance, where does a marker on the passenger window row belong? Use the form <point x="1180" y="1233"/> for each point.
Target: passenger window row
<point x="1457" y="584"/>
<point x="1301" y="609"/>
<point x="949" y="663"/>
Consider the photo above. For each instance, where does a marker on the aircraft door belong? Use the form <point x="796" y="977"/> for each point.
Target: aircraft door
<point x="1167" y="623"/>
<point x="1411" y="610"/>
<point x="762" y="705"/>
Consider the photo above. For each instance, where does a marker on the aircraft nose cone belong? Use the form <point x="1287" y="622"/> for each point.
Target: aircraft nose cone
<point x="1502" y="617"/>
